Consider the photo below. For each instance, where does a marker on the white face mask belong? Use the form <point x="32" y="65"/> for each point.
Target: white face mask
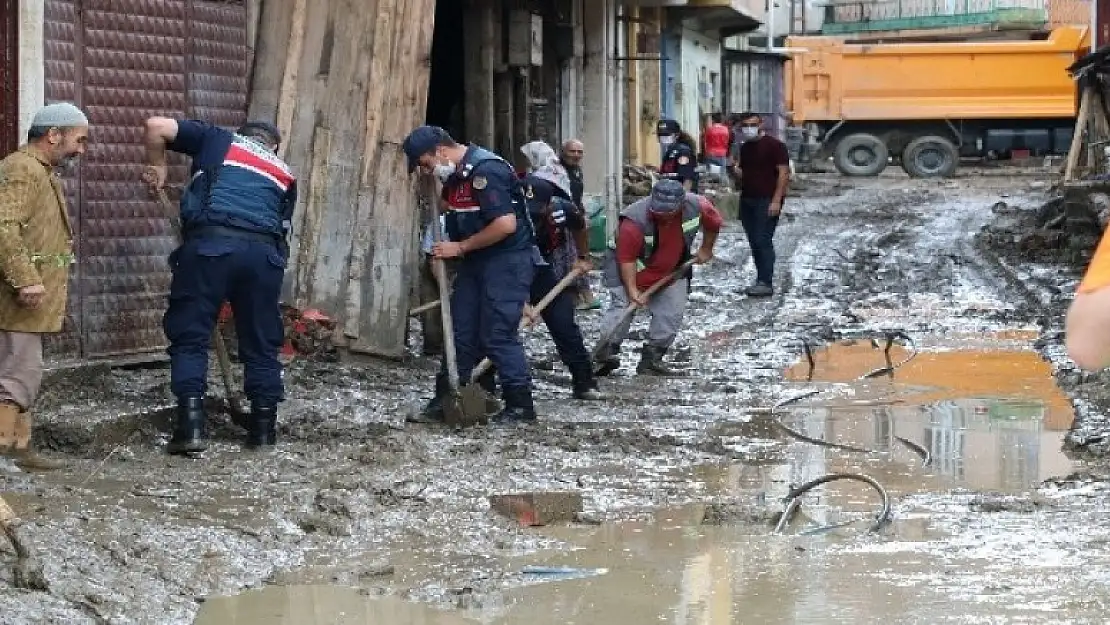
<point x="444" y="171"/>
<point x="666" y="140"/>
<point x="749" y="132"/>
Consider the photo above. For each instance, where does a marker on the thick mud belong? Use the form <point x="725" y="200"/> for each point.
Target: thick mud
<point x="358" y="515"/>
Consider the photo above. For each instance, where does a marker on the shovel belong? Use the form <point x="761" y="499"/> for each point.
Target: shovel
<point x="476" y="401"/>
<point x="529" y="320"/>
<point x="234" y="407"/>
<point x="453" y="408"/>
<point x="606" y="338"/>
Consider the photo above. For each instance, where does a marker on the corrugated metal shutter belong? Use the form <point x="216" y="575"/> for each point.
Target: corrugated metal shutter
<point x="140" y="57"/>
<point x="62" y="39"/>
<point x="9" y="76"/>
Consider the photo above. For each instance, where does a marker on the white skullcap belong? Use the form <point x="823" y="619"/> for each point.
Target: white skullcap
<point x="59" y="115"/>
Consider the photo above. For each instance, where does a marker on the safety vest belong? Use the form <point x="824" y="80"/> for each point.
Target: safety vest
<point x="463" y="218"/>
<point x="640" y="214"/>
<point x="252" y="190"/>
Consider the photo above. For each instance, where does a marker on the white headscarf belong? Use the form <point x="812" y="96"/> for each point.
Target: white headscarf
<point x="545" y="164"/>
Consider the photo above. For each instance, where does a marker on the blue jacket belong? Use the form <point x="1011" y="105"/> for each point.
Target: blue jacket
<point x="484" y="188"/>
<point x="235" y="182"/>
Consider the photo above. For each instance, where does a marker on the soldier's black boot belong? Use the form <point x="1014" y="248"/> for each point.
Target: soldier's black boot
<point x="190" y="434"/>
<point x="584" y="384"/>
<point x="651" y="363"/>
<point x="518" y="406"/>
<point x="608" y="360"/>
<point x="263" y="426"/>
<point x="433" y="410"/>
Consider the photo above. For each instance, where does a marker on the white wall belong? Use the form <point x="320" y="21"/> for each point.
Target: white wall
<point x="700" y="70"/>
<point x="32" y="71"/>
<point x="602" y="125"/>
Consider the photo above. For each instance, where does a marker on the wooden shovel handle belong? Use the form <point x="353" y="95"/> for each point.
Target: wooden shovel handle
<point x="529" y="320"/>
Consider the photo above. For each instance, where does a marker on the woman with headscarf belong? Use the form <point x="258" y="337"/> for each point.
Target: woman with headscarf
<point x="544" y="163"/>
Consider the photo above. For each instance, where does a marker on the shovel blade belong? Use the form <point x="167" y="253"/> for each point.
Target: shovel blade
<point x="472" y="406"/>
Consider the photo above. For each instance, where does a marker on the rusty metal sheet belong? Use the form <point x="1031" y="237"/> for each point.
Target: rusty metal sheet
<point x="9" y="76"/>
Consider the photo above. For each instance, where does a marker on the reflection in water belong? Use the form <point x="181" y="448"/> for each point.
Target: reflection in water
<point x="318" y="605"/>
<point x="991" y="420"/>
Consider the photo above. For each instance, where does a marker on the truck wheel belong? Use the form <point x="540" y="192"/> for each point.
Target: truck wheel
<point x="930" y="157"/>
<point x="861" y="154"/>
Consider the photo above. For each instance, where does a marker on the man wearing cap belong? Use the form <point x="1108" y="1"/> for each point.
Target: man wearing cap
<point x="490" y="232"/>
<point x="236" y="213"/>
<point x="555" y="217"/>
<point x="36" y="250"/>
<point x="654" y="237"/>
<point x="679" y="158"/>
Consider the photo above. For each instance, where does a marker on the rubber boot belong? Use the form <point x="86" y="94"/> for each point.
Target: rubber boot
<point x="608" y="360"/>
<point x="519" y="407"/>
<point x="651" y="363"/>
<point x="433" y="410"/>
<point x="583" y="383"/>
<point x="15" y="440"/>
<point x="263" y="426"/>
<point x="190" y="435"/>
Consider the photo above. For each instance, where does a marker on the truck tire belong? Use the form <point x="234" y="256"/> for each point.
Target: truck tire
<point x="861" y="154"/>
<point x="930" y="157"/>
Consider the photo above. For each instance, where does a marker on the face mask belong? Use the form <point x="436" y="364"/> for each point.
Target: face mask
<point x="444" y="171"/>
<point x="749" y="132"/>
<point x="666" y="141"/>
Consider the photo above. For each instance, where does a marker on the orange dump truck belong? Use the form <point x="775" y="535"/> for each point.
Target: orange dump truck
<point x="926" y="105"/>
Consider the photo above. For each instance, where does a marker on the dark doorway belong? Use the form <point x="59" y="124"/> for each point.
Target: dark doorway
<point x="9" y="76"/>
<point x="447" y="84"/>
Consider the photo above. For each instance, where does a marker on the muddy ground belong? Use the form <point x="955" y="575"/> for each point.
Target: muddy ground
<point x="680" y="478"/>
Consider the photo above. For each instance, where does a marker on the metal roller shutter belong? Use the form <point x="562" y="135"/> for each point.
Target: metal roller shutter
<point x="141" y="57"/>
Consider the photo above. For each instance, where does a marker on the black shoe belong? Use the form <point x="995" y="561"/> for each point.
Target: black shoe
<point x="607" y="361"/>
<point x="651" y="363"/>
<point x="519" y="407"/>
<point x="433" y="410"/>
<point x="760" y="289"/>
<point x="263" y="426"/>
<point x="583" y="385"/>
<point x="190" y="435"/>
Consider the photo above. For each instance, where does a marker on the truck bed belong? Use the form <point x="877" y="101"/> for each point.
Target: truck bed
<point x="828" y="80"/>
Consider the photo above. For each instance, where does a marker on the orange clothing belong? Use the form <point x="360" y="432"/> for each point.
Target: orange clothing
<point x="1098" y="272"/>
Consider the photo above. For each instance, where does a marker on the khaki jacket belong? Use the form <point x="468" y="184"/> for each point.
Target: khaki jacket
<point x="36" y="241"/>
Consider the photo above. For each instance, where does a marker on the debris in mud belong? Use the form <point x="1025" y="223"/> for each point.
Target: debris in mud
<point x="535" y="509"/>
<point x="1001" y="502"/>
<point x="27" y="573"/>
<point x="738" y="513"/>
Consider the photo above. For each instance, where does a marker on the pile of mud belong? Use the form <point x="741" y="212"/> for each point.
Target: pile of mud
<point x="1063" y="231"/>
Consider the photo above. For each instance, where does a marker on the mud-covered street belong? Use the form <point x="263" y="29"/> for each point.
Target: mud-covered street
<point x="997" y="508"/>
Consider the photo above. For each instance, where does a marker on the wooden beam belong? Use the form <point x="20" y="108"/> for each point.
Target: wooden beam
<point x="481" y="47"/>
<point x="1076" y="147"/>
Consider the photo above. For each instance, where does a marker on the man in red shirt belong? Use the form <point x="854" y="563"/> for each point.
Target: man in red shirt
<point x="717" y="138"/>
<point x="655" y="235"/>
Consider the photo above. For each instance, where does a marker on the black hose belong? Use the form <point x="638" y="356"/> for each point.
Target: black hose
<point x="791" y="499"/>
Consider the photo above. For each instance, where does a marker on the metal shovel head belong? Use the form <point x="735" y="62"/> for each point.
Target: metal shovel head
<point x="472" y="406"/>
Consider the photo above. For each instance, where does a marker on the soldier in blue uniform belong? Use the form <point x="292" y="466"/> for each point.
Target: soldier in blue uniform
<point x="490" y="232"/>
<point x="680" y="159"/>
<point x="235" y="215"/>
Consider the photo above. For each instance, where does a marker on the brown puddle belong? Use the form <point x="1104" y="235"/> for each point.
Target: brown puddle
<point x="992" y="419"/>
<point x="319" y="605"/>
